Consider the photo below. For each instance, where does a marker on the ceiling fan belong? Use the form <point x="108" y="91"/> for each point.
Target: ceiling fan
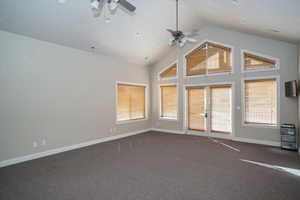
<point x="97" y="6"/>
<point x="179" y="37"/>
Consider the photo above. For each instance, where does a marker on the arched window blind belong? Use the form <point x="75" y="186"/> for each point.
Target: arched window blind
<point x="255" y="62"/>
<point x="170" y="72"/>
<point x="209" y="58"/>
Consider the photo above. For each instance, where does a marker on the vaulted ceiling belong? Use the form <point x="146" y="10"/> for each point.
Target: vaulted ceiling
<point x="143" y="35"/>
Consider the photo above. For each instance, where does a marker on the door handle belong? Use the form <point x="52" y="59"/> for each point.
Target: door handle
<point x="204" y="115"/>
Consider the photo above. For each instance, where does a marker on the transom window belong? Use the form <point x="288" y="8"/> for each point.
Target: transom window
<point x="209" y="58"/>
<point x="171" y="72"/>
<point x="252" y="62"/>
<point x="131" y="102"/>
<point x="260" y="102"/>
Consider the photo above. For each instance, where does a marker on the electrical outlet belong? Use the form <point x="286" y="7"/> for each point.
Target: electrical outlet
<point x="35" y="144"/>
<point x="44" y="142"/>
<point x="111" y="130"/>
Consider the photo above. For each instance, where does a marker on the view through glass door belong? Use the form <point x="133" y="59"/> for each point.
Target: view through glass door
<point x="209" y="109"/>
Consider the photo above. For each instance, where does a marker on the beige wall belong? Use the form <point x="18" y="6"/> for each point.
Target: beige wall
<point x="67" y="96"/>
<point x="63" y="95"/>
<point x="286" y="52"/>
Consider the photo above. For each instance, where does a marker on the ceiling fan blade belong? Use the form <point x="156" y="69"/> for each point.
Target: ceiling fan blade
<point x="190" y="39"/>
<point x="192" y="33"/>
<point x="127" y="5"/>
<point x="171" y="31"/>
<point x="188" y="33"/>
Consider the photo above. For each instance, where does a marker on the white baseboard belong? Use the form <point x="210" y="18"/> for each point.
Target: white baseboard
<point x="254" y="141"/>
<point x="168" y="131"/>
<point x="67" y="148"/>
<point x="106" y="139"/>
<point x="239" y="139"/>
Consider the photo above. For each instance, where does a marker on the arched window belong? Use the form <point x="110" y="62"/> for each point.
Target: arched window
<point x="208" y="58"/>
<point x="258" y="62"/>
<point x="170" y="72"/>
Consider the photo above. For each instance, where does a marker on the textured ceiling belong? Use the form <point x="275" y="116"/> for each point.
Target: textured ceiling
<point x="71" y="24"/>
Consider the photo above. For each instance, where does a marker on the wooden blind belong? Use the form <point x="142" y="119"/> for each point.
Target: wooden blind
<point x="260" y="102"/>
<point x="253" y="62"/>
<point x="169" y="102"/>
<point x="221" y="109"/>
<point x="170" y="72"/>
<point x="195" y="61"/>
<point x="131" y="102"/>
<point x="209" y="58"/>
<point x="196" y="109"/>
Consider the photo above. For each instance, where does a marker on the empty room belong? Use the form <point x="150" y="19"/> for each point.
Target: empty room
<point x="149" y="100"/>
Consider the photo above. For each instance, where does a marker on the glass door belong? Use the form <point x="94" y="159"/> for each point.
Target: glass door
<point x="209" y="109"/>
<point x="197" y="114"/>
<point x="220" y="109"/>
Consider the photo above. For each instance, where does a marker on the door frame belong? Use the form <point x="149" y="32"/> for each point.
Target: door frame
<point x="208" y="132"/>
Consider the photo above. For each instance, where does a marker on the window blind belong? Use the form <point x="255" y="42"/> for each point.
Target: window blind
<point x="221" y="109"/>
<point x="260" y="102"/>
<point x="196" y="109"/>
<point x="169" y="102"/>
<point x="209" y="58"/>
<point x="170" y="72"/>
<point x="131" y="102"/>
<point x="253" y="62"/>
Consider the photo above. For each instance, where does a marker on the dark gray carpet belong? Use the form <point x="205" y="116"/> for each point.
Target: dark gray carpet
<point x="155" y="166"/>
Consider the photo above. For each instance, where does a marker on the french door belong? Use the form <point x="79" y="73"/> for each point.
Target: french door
<point x="209" y="109"/>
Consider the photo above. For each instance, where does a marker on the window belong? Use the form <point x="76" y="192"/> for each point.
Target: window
<point x="131" y="102"/>
<point x="171" y="72"/>
<point x="209" y="58"/>
<point x="168" y="102"/>
<point x="252" y="62"/>
<point x="260" y="102"/>
<point x="221" y="109"/>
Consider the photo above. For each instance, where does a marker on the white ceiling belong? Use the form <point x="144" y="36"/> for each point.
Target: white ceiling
<point x="71" y="24"/>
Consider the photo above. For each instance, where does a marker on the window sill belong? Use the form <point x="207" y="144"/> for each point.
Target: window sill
<point x="260" y="70"/>
<point x="168" y="79"/>
<point x="167" y="119"/>
<point x="131" y="121"/>
<point x="208" y="75"/>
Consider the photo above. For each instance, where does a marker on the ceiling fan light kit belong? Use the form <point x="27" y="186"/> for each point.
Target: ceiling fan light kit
<point x="179" y="37"/>
<point x="97" y="6"/>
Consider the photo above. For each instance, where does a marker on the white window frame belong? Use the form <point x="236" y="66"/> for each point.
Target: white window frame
<point x="277" y="79"/>
<point x="207" y="133"/>
<point x="160" y="103"/>
<point x="146" y="102"/>
<point x="213" y="74"/>
<point x="165" y="68"/>
<point x="259" y="69"/>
